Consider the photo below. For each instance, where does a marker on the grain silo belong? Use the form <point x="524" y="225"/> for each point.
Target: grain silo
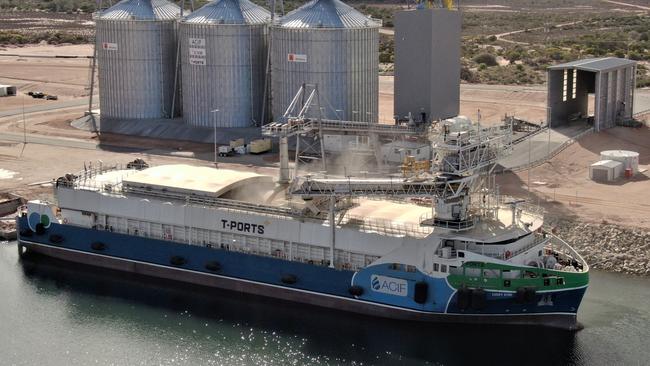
<point x="223" y="60"/>
<point x="136" y="54"/>
<point x="328" y="43"/>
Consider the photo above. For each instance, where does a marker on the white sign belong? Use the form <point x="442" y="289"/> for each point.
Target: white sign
<point x="197" y="52"/>
<point x="197" y="61"/>
<point x="197" y="42"/>
<point x="109" y="46"/>
<point x="294" y="57"/>
<point x="389" y="285"/>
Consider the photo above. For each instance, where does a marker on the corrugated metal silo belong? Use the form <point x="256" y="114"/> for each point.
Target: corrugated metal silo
<point x="136" y="54"/>
<point x="223" y="60"/>
<point x="328" y="43"/>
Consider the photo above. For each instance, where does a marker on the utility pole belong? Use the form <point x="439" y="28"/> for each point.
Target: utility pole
<point x="548" y="126"/>
<point x="529" y="167"/>
<point x="24" y="123"/>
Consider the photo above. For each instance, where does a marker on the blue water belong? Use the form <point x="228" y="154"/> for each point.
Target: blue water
<point x="57" y="313"/>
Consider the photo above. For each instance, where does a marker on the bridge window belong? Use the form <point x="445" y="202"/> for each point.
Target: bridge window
<point x="443" y="268"/>
<point x="395" y="267"/>
<point x="530" y="274"/>
<point x="491" y="273"/>
<point x="455" y="270"/>
<point x="473" y="272"/>
<point x="410" y="268"/>
<point x="508" y="273"/>
<point x="436" y="267"/>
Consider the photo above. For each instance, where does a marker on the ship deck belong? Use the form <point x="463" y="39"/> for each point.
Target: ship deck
<point x="258" y="193"/>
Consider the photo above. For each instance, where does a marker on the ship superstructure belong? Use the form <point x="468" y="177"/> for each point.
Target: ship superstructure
<point x="442" y="246"/>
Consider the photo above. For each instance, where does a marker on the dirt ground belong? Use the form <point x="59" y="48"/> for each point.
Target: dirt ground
<point x="493" y="101"/>
<point x="563" y="187"/>
<point x="67" y="78"/>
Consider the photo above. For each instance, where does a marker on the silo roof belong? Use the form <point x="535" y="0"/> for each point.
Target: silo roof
<point x="142" y="10"/>
<point x="229" y="12"/>
<point x="326" y="14"/>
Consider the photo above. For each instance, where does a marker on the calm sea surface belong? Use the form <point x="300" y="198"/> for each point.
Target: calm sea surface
<point x="56" y="313"/>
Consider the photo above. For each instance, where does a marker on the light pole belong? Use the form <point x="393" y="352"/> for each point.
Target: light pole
<point x="548" y="126"/>
<point x="214" y="119"/>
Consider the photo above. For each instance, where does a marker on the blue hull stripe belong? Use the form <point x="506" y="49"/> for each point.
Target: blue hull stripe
<point x="313" y="279"/>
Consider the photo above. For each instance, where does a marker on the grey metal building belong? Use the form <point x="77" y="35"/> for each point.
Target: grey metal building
<point x="328" y="43"/>
<point x="611" y="80"/>
<point x="427" y="63"/>
<point x="136" y="54"/>
<point x="223" y="61"/>
<point x="7" y="90"/>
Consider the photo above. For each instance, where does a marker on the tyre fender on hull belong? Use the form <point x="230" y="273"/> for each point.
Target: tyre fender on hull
<point x="289" y="279"/>
<point x="530" y="295"/>
<point x="213" y="266"/>
<point x="356" y="290"/>
<point x="98" y="245"/>
<point x="177" y="260"/>
<point x="421" y="292"/>
<point x="463" y="298"/>
<point x="479" y="299"/>
<point x="525" y="295"/>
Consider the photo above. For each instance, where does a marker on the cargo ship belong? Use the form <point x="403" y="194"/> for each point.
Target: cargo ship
<point x="441" y="245"/>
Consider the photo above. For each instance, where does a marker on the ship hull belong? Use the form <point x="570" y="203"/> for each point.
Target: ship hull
<point x="247" y="273"/>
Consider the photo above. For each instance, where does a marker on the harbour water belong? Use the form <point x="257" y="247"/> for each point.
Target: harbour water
<point x="57" y="313"/>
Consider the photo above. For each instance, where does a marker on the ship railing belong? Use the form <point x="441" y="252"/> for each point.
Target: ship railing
<point x="240" y="206"/>
<point x="538" y="240"/>
<point x="525" y="207"/>
<point x="558" y="245"/>
<point x="386" y="226"/>
<point x="87" y="179"/>
<point x="430" y="219"/>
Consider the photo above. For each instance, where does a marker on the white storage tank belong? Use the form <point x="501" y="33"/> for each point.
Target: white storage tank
<point x="630" y="159"/>
<point x="328" y="43"/>
<point x="605" y="170"/>
<point x="136" y="55"/>
<point x="223" y="60"/>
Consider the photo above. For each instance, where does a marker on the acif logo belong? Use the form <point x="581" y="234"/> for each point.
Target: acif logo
<point x="375" y="283"/>
<point x="389" y="285"/>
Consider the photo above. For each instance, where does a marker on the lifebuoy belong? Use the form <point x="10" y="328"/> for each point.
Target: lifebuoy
<point x="508" y="254"/>
<point x="65" y="220"/>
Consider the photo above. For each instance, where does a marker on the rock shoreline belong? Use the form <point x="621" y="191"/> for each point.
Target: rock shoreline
<point x="608" y="247"/>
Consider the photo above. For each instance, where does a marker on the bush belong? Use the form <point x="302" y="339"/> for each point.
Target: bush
<point x="467" y="75"/>
<point x="492" y="38"/>
<point x="486" y="59"/>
